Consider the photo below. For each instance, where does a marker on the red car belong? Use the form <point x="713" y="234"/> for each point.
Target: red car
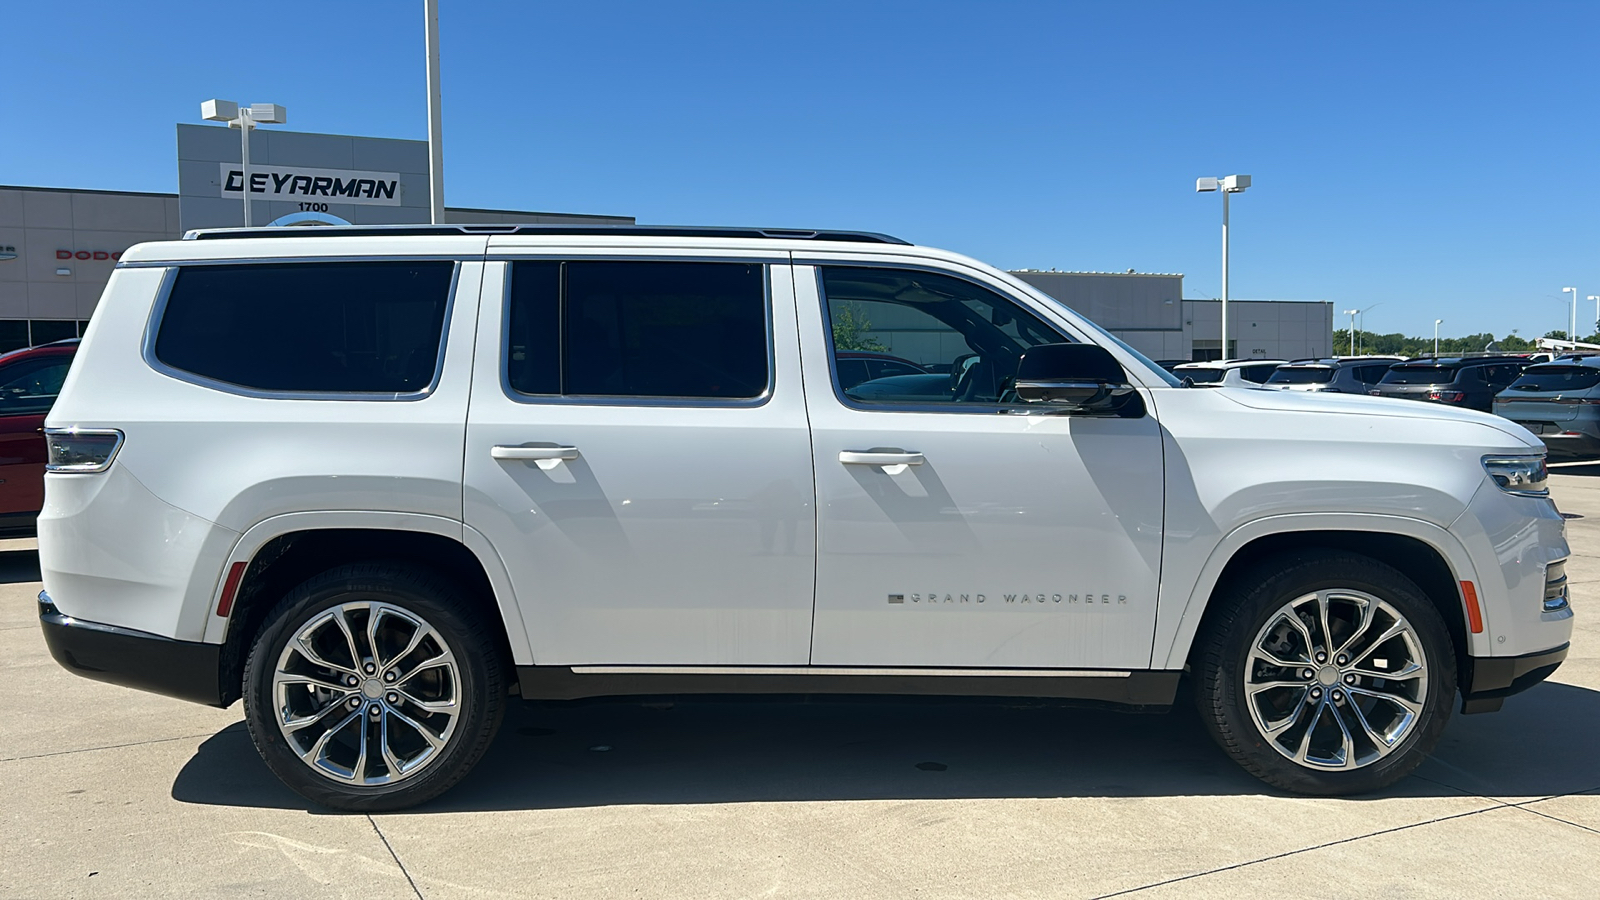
<point x="30" y="379"/>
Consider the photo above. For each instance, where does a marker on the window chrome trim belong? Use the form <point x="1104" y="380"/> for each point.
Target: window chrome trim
<point x="158" y="312"/>
<point x="516" y="396"/>
<point x="582" y="254"/>
<point x="253" y="260"/>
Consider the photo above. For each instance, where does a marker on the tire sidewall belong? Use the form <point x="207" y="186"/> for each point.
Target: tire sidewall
<point x="416" y="591"/>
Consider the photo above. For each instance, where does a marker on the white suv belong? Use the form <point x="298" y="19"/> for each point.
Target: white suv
<point x="376" y="480"/>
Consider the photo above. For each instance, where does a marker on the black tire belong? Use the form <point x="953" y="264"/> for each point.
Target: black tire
<point x="478" y="686"/>
<point x="1222" y="664"/>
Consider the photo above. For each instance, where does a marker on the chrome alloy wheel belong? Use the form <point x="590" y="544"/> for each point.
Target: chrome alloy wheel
<point x="1336" y="679"/>
<point x="367" y="693"/>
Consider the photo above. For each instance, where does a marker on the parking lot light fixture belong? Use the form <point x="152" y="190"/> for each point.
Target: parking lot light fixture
<point x="1227" y="184"/>
<point x="243" y="118"/>
<point x="1436" y="324"/>
<point x="1572" y="333"/>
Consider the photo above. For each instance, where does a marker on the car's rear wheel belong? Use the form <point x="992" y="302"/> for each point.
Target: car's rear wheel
<point x="1326" y="673"/>
<point x="371" y="688"/>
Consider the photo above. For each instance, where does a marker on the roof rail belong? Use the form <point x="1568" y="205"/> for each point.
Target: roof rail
<point x="299" y="231"/>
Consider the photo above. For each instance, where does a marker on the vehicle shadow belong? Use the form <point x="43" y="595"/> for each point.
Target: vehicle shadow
<point x="19" y="566"/>
<point x="729" y="750"/>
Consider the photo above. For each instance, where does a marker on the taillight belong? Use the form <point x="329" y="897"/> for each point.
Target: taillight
<point x="1447" y="396"/>
<point x="80" y="449"/>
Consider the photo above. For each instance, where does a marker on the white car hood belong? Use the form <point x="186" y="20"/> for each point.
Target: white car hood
<point x="1357" y="405"/>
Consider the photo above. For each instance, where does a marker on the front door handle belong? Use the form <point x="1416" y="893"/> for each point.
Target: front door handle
<point x="504" y="451"/>
<point x="881" y="458"/>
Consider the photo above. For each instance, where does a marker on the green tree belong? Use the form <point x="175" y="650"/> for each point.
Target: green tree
<point x="850" y="327"/>
<point x="1397" y="344"/>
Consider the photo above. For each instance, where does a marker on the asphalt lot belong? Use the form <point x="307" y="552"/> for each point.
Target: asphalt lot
<point x="114" y="793"/>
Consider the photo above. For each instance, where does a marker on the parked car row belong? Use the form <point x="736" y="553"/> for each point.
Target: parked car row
<point x="30" y="379"/>
<point x="1558" y="400"/>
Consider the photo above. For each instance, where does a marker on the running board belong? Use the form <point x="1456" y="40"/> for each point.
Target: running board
<point x="1118" y="687"/>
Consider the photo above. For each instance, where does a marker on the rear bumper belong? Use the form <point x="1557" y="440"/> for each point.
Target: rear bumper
<point x="149" y="662"/>
<point x="1488" y="680"/>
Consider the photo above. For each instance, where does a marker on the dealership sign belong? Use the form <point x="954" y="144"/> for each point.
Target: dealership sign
<point x="298" y="184"/>
<point x="88" y="254"/>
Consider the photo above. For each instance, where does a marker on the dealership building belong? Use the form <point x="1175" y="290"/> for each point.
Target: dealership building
<point x="1148" y="312"/>
<point x="58" y="246"/>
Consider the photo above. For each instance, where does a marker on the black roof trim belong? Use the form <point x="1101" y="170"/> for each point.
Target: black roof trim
<point x="792" y="234"/>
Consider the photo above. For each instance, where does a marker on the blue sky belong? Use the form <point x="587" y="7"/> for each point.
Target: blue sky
<point x="1421" y="159"/>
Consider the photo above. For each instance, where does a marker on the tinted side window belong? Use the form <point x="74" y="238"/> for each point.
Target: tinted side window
<point x="30" y="388"/>
<point x="639" y="329"/>
<point x="1371" y="374"/>
<point x="967" y="337"/>
<point x="359" y="327"/>
<point x="1258" y="374"/>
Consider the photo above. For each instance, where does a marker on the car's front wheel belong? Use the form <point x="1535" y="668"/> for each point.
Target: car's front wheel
<point x="370" y="688"/>
<point x="1326" y="673"/>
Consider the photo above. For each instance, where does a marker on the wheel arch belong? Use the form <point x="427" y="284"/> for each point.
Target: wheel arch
<point x="283" y="551"/>
<point x="1424" y="552"/>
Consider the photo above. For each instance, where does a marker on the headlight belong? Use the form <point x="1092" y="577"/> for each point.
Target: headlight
<point x="1521" y="475"/>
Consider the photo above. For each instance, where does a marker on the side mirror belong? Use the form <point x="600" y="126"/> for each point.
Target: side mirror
<point x="1081" y="378"/>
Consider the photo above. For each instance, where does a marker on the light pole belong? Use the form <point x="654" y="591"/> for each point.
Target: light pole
<point x="1572" y="333"/>
<point x="1362" y="316"/>
<point x="435" y="121"/>
<point x="1228" y="184"/>
<point x="243" y="118"/>
<point x="1436" y="324"/>
<point x="1352" y="314"/>
<point x="1596" y="299"/>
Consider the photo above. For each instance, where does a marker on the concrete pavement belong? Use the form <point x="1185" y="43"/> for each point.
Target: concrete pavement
<point x="113" y="793"/>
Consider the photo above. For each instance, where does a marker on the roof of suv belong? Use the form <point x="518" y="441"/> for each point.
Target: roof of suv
<point x="1228" y="364"/>
<point x="1464" y="360"/>
<point x="304" y="231"/>
<point x="1592" y="362"/>
<point x="1343" y="361"/>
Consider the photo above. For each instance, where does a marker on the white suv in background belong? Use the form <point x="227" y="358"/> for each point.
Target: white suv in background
<point x="375" y="481"/>
<point x="1228" y="372"/>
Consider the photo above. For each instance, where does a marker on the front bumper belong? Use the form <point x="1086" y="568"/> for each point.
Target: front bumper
<point x="1488" y="680"/>
<point x="137" y="659"/>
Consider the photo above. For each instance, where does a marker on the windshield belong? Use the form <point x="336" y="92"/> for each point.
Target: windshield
<point x="1423" y="374"/>
<point x="1200" y="374"/>
<point x="1557" y="378"/>
<point x="1301" y="375"/>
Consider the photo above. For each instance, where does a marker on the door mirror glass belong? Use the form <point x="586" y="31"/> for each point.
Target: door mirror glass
<point x="1082" y="378"/>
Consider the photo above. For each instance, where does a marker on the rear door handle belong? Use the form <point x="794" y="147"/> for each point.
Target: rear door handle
<point x="505" y="451"/>
<point x="881" y="458"/>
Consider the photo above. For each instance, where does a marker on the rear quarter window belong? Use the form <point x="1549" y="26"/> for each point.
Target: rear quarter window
<point x="342" y="327"/>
